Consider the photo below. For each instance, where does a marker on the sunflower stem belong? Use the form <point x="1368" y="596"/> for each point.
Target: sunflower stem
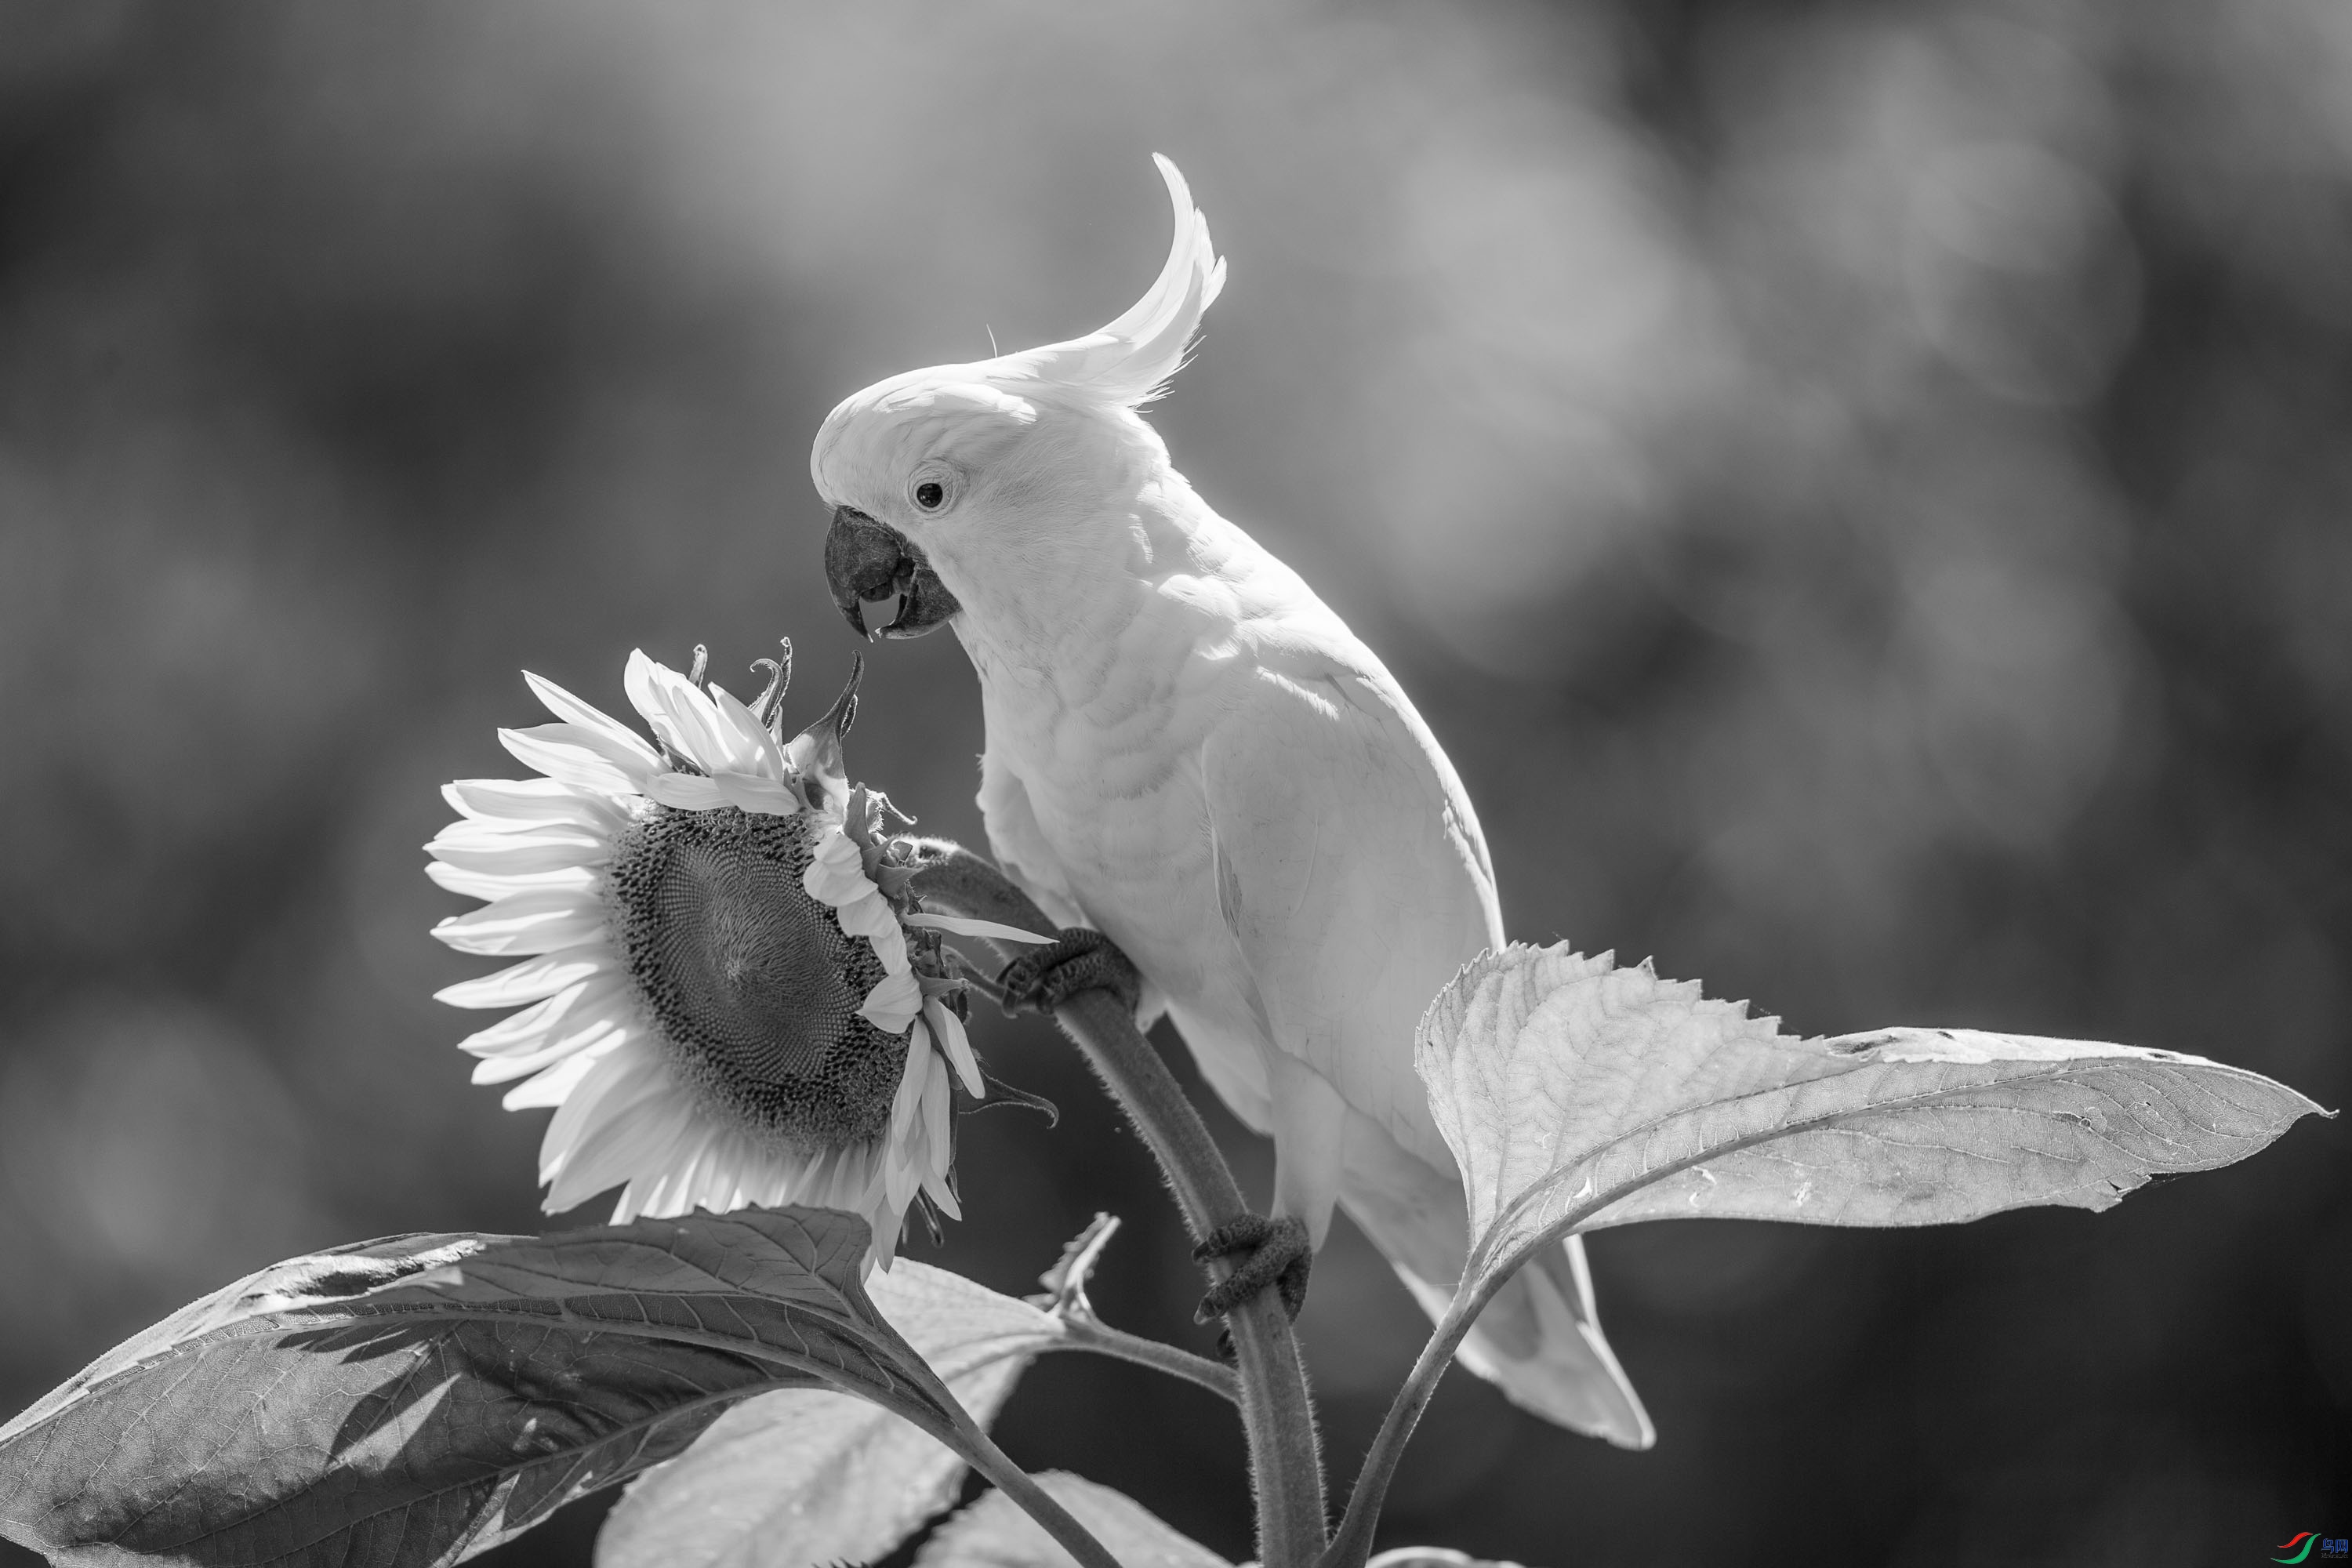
<point x="1278" y="1409"/>
<point x="1034" y="1499"/>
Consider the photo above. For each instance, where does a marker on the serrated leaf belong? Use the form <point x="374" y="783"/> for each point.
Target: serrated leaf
<point x="801" y="1477"/>
<point x="1578" y="1095"/>
<point x="993" y="1533"/>
<point x="417" y="1400"/>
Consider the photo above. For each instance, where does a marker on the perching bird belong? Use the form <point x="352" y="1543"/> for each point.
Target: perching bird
<point x="1189" y="752"/>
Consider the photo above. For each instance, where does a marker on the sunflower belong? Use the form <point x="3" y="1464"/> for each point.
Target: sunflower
<point x="734" y="998"/>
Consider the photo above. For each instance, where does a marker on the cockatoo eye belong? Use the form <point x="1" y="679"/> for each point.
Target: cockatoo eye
<point x="933" y="486"/>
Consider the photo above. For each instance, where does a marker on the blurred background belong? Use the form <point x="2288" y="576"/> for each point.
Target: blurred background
<point x="1861" y="491"/>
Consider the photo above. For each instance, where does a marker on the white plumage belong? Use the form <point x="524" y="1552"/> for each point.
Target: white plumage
<point x="1188" y="751"/>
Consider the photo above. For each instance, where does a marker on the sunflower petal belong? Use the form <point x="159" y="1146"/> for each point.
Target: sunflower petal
<point x="486" y="885"/>
<point x="872" y="918"/>
<point x="755" y="749"/>
<point x="943" y="1195"/>
<point x="893" y="1003"/>
<point x="617" y="1078"/>
<point x="541" y="977"/>
<point x="685" y="791"/>
<point x="522" y="1032"/>
<point x="555" y="1083"/>
<point x="550" y="749"/>
<point x="907" y="1107"/>
<point x="936" y="1107"/>
<point x="643" y="1133"/>
<point x="572" y="710"/>
<point x="948" y="1029"/>
<point x="837" y="872"/>
<point x="591" y="1035"/>
<point x="748" y="791"/>
<point x="679" y="712"/>
<point x="520" y="853"/>
<point x="961" y="926"/>
<point x="541" y="920"/>
<point x="505" y="805"/>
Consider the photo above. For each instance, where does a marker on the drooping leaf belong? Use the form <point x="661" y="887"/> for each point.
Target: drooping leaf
<point x="804" y="1477"/>
<point x="993" y="1533"/>
<point x="1579" y="1095"/>
<point x="417" y="1400"/>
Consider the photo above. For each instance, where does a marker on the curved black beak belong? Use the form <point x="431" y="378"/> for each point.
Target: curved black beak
<point x="866" y="560"/>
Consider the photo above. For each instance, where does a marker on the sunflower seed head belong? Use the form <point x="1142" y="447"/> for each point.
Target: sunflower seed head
<point x="751" y="985"/>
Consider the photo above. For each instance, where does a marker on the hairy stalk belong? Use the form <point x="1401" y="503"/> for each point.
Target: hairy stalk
<point x="1034" y="1501"/>
<point x="1353" y="1542"/>
<point x="1091" y="1334"/>
<point x="1277" y="1411"/>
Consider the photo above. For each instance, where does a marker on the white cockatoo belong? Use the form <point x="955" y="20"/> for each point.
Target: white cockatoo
<point x="1190" y="754"/>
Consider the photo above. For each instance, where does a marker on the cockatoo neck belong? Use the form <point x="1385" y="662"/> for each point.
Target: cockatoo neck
<point x="1050" y="622"/>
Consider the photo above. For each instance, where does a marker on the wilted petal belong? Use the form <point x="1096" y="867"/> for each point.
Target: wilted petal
<point x="893" y="1003"/>
<point x="873" y="919"/>
<point x="837" y="872"/>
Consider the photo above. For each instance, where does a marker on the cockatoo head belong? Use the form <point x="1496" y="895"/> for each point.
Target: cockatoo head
<point x="973" y="484"/>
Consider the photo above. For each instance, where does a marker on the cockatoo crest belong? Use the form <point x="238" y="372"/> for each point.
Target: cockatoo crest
<point x="898" y="422"/>
<point x="1131" y="361"/>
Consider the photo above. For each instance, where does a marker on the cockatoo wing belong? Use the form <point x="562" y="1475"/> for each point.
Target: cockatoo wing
<point x="1354" y="883"/>
<point x="1350" y="879"/>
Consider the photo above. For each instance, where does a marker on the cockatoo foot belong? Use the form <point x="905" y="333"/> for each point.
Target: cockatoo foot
<point x="1041" y="980"/>
<point x="1280" y="1254"/>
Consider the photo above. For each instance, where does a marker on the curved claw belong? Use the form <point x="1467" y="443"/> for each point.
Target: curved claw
<point x="1079" y="959"/>
<point x="1281" y="1254"/>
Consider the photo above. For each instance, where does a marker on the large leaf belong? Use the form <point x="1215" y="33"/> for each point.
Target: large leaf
<point x="414" y="1401"/>
<point x="993" y="1533"/>
<point x="801" y="1477"/>
<point x="1578" y="1095"/>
